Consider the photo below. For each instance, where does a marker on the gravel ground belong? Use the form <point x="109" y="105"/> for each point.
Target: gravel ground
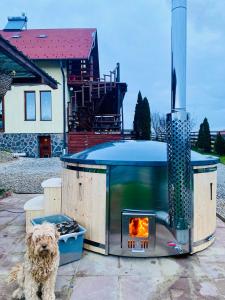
<point x="221" y="190"/>
<point x="25" y="175"/>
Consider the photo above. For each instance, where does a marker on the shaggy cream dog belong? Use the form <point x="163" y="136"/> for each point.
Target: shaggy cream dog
<point x="38" y="272"/>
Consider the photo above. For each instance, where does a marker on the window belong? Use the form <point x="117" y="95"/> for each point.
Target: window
<point x="1" y="114"/>
<point x="30" y="106"/>
<point x="46" y="105"/>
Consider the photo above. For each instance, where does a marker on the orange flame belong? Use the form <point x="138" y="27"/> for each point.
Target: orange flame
<point x="138" y="227"/>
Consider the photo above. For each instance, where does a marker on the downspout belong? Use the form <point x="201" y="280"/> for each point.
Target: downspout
<point x="64" y="108"/>
<point x="178" y="132"/>
<point x="119" y="97"/>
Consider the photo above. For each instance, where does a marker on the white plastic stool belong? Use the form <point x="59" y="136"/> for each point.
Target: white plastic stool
<point x="34" y="208"/>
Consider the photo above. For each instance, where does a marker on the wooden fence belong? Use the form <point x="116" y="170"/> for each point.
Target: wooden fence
<point x="128" y="134"/>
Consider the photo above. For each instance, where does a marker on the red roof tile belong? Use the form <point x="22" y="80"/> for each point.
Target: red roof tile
<point x="58" y="43"/>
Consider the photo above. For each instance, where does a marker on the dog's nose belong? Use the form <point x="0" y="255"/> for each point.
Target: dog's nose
<point x="44" y="246"/>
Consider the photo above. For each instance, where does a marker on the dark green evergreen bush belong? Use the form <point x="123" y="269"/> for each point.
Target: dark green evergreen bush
<point x="219" y="145"/>
<point x="142" y="119"/>
<point x="204" y="137"/>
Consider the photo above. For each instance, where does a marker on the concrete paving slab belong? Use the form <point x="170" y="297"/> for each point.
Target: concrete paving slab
<point x="8" y="261"/>
<point x="220" y="223"/>
<point x="206" y="289"/>
<point x="96" y="265"/>
<point x="192" y="277"/>
<point x="139" y="267"/>
<point x="19" y="220"/>
<point x="63" y="287"/>
<point x="96" y="288"/>
<point x="69" y="269"/>
<point x="220" y="285"/>
<point x="12" y="231"/>
<point x="181" y="289"/>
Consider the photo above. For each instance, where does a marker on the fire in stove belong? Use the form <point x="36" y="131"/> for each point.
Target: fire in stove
<point x="138" y="227"/>
<point x="138" y="233"/>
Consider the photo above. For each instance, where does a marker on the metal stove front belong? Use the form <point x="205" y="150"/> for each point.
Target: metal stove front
<point x="138" y="232"/>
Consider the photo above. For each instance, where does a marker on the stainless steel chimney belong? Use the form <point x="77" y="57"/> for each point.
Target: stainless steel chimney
<point x="178" y="48"/>
<point x="178" y="131"/>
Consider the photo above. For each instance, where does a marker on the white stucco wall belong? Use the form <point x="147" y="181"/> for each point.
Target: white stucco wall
<point x="14" y="105"/>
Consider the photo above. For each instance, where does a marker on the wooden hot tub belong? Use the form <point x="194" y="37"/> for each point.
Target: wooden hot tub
<point x="105" y="185"/>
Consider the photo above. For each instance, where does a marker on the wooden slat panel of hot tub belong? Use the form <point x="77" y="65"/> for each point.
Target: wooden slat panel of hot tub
<point x="84" y="199"/>
<point x="204" y="207"/>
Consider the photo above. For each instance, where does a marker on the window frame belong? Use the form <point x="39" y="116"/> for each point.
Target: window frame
<point x="49" y="120"/>
<point x="25" y="106"/>
<point x="3" y="115"/>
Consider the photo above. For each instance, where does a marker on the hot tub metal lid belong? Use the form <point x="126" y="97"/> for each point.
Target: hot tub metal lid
<point x="139" y="153"/>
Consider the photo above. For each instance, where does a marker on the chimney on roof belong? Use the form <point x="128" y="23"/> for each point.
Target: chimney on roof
<point x="16" y="23"/>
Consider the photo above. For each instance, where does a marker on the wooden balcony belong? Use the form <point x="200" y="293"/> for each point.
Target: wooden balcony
<point x="109" y="122"/>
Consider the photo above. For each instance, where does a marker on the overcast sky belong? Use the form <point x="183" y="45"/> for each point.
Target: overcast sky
<point x="137" y="34"/>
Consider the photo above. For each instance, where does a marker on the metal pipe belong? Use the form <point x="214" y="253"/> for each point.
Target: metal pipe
<point x="178" y="131"/>
<point x="64" y="108"/>
<point x="178" y="47"/>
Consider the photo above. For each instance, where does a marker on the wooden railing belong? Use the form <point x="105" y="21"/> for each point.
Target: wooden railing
<point x="107" y="122"/>
<point x="129" y="134"/>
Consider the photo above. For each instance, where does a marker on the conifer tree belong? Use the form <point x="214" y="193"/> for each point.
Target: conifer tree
<point x="219" y="145"/>
<point x="142" y="119"/>
<point x="207" y="136"/>
<point x="146" y="120"/>
<point x="200" y="141"/>
<point x="204" y="137"/>
<point x="137" y="116"/>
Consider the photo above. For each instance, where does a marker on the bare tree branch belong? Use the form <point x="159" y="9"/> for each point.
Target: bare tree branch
<point x="159" y="124"/>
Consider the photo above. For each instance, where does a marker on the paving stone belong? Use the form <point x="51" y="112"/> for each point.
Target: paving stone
<point x="96" y="264"/>
<point x="139" y="266"/>
<point x="213" y="271"/>
<point x="189" y="266"/>
<point x="141" y="287"/>
<point x="220" y="285"/>
<point x="5" y="220"/>
<point x="208" y="289"/>
<point x="220" y="223"/>
<point x="96" y="288"/>
<point x="169" y="267"/>
<point x="12" y="231"/>
<point x="63" y="283"/>
<point x="8" y="261"/>
<point x="69" y="269"/>
<point x="181" y="289"/>
<point x="20" y="220"/>
<point x="192" y="277"/>
<point x="5" y="213"/>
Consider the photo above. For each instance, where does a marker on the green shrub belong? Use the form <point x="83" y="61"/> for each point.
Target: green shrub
<point x="204" y="137"/>
<point x="142" y="119"/>
<point x="219" y="145"/>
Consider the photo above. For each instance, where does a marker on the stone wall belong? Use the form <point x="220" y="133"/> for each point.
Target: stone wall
<point x="28" y="143"/>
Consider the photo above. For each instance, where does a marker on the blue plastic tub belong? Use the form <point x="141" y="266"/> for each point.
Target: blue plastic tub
<point x="70" y="245"/>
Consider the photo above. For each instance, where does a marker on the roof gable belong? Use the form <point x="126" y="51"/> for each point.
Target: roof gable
<point x="53" y="43"/>
<point x="12" y="60"/>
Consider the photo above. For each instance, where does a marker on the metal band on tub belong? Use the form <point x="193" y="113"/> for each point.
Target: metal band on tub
<point x="95" y="244"/>
<point x="205" y="170"/>
<point x="89" y="170"/>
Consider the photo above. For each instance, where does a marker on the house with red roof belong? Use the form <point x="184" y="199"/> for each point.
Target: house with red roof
<point x="84" y="110"/>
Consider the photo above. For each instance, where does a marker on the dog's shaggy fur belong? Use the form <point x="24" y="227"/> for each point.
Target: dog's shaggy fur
<point x="41" y="261"/>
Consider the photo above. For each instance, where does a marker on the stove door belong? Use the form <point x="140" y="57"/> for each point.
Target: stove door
<point x="138" y="232"/>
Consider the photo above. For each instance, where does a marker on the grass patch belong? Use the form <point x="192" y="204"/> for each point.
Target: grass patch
<point x="221" y="157"/>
